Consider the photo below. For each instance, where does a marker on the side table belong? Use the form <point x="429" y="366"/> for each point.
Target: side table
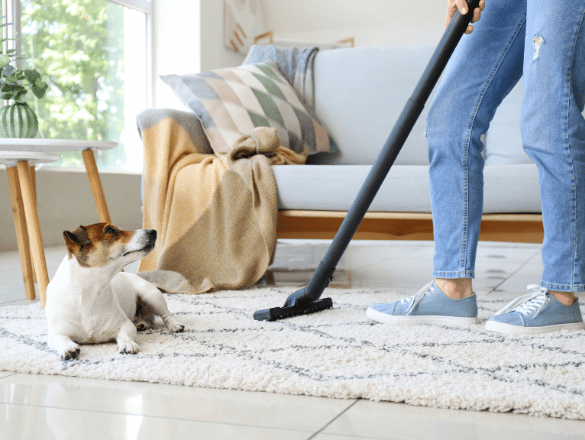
<point x="24" y="209"/>
<point x="24" y="150"/>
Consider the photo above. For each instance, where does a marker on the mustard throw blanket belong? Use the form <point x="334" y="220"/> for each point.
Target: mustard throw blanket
<point x="215" y="216"/>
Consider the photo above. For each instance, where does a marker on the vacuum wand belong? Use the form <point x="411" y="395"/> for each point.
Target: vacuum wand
<point x="307" y="299"/>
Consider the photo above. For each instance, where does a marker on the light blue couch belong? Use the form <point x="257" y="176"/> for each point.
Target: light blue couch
<point x="359" y="94"/>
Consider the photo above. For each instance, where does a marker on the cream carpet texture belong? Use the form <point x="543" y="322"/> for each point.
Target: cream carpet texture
<point x="337" y="353"/>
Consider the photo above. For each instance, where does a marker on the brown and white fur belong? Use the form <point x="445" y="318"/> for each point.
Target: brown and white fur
<point x="90" y="301"/>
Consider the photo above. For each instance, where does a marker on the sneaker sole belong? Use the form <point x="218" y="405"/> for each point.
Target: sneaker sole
<point x="384" y="318"/>
<point x="516" y="330"/>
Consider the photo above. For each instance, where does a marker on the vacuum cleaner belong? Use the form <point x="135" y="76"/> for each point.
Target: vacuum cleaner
<point x="307" y="300"/>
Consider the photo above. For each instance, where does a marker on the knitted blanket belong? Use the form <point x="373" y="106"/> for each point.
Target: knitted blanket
<point x="215" y="216"/>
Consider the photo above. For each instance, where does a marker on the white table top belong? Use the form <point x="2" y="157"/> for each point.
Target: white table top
<point x="51" y="145"/>
<point x="10" y="158"/>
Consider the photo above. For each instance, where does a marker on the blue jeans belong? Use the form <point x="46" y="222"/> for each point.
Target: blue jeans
<point x="483" y="69"/>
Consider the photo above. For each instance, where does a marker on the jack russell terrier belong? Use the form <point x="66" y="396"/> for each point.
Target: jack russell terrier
<point x="90" y="301"/>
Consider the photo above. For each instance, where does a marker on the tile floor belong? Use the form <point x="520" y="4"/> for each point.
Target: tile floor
<point x="55" y="407"/>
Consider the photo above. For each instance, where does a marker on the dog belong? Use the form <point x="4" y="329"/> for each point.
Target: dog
<point x="89" y="300"/>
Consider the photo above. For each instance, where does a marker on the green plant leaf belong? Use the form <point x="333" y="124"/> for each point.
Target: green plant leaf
<point x="20" y="97"/>
<point x="32" y="75"/>
<point x="14" y="87"/>
<point x="39" y="90"/>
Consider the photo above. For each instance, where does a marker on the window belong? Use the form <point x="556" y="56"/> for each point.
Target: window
<point x="94" y="56"/>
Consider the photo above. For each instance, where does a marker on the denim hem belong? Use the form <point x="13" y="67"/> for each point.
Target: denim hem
<point x="563" y="287"/>
<point x="453" y="275"/>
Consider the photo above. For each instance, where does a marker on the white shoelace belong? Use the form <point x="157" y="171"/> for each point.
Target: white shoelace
<point x="415" y="299"/>
<point x="529" y="303"/>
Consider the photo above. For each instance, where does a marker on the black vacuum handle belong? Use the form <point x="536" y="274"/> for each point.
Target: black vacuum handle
<point x="386" y="158"/>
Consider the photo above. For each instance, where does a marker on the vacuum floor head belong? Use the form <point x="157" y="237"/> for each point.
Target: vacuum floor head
<point x="287" y="312"/>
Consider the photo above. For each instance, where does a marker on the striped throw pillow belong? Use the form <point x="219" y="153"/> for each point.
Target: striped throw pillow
<point x="232" y="102"/>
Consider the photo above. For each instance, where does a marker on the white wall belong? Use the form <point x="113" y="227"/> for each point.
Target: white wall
<point x="213" y="53"/>
<point x="303" y="17"/>
<point x="384" y="23"/>
<point x="387" y="23"/>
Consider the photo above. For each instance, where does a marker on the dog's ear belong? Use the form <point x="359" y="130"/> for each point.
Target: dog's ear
<point x="76" y="239"/>
<point x="79" y="236"/>
<point x="71" y="242"/>
<point x="69" y="236"/>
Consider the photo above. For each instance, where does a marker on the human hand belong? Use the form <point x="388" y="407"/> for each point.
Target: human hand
<point x="453" y="5"/>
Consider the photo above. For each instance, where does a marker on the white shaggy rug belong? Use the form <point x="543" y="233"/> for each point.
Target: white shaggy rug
<point x="337" y="353"/>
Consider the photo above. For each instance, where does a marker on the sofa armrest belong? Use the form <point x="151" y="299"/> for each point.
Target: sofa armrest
<point x="187" y="120"/>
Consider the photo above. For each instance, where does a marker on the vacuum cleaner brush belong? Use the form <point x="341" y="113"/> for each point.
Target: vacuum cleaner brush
<point x="286" y="312"/>
<point x="303" y="301"/>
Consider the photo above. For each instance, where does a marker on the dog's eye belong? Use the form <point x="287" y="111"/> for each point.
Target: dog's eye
<point x="110" y="230"/>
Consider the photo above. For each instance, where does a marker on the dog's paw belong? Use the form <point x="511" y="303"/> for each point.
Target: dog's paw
<point x="71" y="352"/>
<point x="175" y="327"/>
<point x="143" y="325"/>
<point x="128" y="347"/>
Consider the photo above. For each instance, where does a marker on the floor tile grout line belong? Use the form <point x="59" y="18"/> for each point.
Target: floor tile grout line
<point x="9" y="375"/>
<point x="334" y="419"/>
<point x="512" y="274"/>
<point x="152" y="417"/>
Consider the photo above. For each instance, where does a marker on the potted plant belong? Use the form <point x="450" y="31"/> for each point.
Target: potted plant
<point x="18" y="120"/>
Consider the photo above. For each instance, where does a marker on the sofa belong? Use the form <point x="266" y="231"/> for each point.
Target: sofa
<point x="359" y="93"/>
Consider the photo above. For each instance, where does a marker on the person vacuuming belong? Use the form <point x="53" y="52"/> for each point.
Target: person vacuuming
<point x="543" y="41"/>
<point x="307" y="300"/>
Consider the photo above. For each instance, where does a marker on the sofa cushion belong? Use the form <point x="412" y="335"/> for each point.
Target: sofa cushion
<point x="359" y="94"/>
<point x="507" y="188"/>
<point x="231" y="102"/>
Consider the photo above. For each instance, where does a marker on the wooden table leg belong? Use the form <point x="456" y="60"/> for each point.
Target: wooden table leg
<point x="33" y="178"/>
<point x="21" y="233"/>
<point x="34" y="229"/>
<point x="96" y="186"/>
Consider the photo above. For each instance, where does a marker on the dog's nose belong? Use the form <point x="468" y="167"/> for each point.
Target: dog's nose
<point x="151" y="233"/>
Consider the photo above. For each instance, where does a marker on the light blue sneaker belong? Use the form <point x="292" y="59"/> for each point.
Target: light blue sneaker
<point x="428" y="306"/>
<point x="536" y="312"/>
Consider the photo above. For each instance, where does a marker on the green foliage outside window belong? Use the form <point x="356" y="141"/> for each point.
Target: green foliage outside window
<point x="78" y="45"/>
